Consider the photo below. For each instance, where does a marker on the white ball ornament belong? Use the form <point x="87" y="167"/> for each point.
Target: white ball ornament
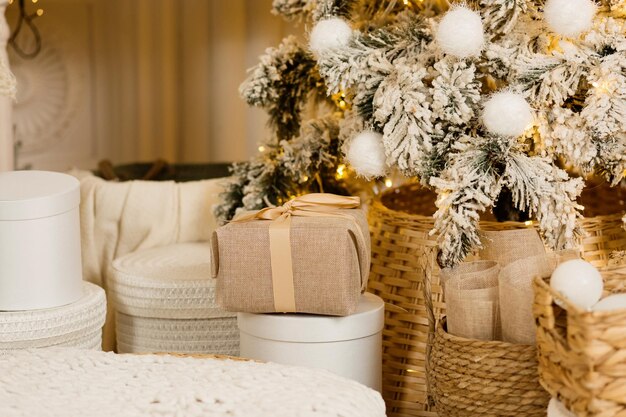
<point x="461" y="33"/>
<point x="612" y="302"/>
<point x="557" y="409"/>
<point x="569" y="17"/>
<point x="578" y="281"/>
<point x="329" y="34"/>
<point x="507" y="114"/>
<point x="366" y="154"/>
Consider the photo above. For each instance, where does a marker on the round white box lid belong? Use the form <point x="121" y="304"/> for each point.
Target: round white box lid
<point x="172" y="282"/>
<point x="369" y="319"/>
<point x="26" y="195"/>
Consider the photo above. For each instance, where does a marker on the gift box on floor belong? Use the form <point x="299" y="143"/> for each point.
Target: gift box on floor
<point x="78" y="324"/>
<point x="165" y="302"/>
<point x="311" y="255"/>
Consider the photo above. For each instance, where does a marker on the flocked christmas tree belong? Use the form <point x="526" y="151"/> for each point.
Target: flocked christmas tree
<point x="473" y="99"/>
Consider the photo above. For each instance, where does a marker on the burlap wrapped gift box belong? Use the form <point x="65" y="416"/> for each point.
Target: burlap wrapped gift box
<point x="330" y="262"/>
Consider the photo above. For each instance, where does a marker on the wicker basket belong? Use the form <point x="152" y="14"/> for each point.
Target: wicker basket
<point x="404" y="256"/>
<point x="485" y="378"/>
<point x="582" y="354"/>
<point x="161" y="170"/>
<point x="403" y="261"/>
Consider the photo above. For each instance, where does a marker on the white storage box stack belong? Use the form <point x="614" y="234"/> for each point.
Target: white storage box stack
<point x="165" y="302"/>
<point x="43" y="300"/>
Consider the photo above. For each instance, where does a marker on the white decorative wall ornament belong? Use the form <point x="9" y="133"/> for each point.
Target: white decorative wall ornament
<point x="48" y="97"/>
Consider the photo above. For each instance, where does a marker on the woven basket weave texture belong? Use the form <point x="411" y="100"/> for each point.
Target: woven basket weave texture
<point x="144" y="335"/>
<point x="74" y="325"/>
<point x="582" y="354"/>
<point x="165" y="302"/>
<point x="404" y="254"/>
<point x="166" y="282"/>
<point x="485" y="378"/>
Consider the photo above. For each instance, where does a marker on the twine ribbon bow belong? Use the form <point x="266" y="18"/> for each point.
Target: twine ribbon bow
<point x="309" y="205"/>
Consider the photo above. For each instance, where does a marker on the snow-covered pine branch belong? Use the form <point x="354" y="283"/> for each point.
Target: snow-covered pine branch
<point x="280" y="83"/>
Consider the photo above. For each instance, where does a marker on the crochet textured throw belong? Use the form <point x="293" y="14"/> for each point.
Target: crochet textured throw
<point x="71" y="383"/>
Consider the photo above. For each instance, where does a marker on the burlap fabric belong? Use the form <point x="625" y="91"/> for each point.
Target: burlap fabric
<point x="471" y="294"/>
<point x="520" y="256"/>
<point x="330" y="256"/>
<point x="470" y="270"/>
<point x="517" y="296"/>
<point x="506" y="246"/>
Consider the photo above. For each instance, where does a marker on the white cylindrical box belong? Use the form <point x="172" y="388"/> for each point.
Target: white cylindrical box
<point x="40" y="258"/>
<point x="349" y="346"/>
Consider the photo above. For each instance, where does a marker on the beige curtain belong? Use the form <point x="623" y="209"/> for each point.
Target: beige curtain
<point x="169" y="71"/>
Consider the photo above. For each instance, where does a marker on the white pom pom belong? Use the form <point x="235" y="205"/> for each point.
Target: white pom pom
<point x="579" y="281"/>
<point x="507" y="114"/>
<point x="329" y="34"/>
<point x="461" y="33"/>
<point x="366" y="154"/>
<point x="569" y="17"/>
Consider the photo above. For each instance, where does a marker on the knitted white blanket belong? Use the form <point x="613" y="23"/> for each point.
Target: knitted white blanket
<point x="117" y="218"/>
<point x="74" y="383"/>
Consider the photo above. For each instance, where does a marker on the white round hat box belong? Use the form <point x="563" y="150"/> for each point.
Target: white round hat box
<point x="40" y="258"/>
<point x="349" y="346"/>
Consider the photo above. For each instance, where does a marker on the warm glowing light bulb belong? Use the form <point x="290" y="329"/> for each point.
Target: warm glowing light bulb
<point x="340" y="100"/>
<point x="261" y="148"/>
<point x="305" y="178"/>
<point x="341" y="171"/>
<point x="388" y="183"/>
<point x="528" y="222"/>
<point x="35" y="1"/>
<point x="39" y="12"/>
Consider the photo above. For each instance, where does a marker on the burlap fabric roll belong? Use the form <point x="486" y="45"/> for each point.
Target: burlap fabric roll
<point x="471" y="294"/>
<point x="470" y="270"/>
<point x="506" y="246"/>
<point x="517" y="296"/>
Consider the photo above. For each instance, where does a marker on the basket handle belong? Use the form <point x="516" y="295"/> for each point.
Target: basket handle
<point x="543" y="306"/>
<point x="432" y="321"/>
<point x="106" y="170"/>
<point x="157" y="167"/>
